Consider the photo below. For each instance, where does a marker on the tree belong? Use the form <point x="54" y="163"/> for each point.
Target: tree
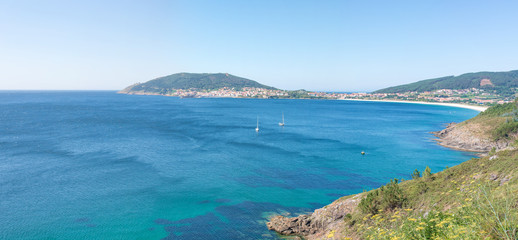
<point x="427" y="172"/>
<point x="416" y="174"/>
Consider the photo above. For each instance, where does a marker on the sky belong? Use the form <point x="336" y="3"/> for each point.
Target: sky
<point x="314" y="45"/>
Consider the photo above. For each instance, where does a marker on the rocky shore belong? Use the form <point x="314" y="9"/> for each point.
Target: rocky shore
<point x="468" y="137"/>
<point x="319" y="223"/>
<point x="325" y="221"/>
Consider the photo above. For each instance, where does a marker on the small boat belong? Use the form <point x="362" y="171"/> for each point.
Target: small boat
<point x="257" y="128"/>
<point x="363" y="153"/>
<point x="282" y="123"/>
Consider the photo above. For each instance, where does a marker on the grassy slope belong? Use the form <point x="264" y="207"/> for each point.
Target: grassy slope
<point x="474" y="200"/>
<point x="477" y="199"/>
<point x="495" y="123"/>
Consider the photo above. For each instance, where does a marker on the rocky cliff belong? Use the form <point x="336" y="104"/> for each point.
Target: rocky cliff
<point x="318" y="224"/>
<point x="469" y="137"/>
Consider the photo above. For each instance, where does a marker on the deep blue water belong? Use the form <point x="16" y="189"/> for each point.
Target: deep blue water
<point x="99" y="165"/>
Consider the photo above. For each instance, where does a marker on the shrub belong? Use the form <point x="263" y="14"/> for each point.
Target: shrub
<point x="499" y="110"/>
<point x="427" y="172"/>
<point x="416" y="174"/>
<point x="386" y="197"/>
<point x="505" y="130"/>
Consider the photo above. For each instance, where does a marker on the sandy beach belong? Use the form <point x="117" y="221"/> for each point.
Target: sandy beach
<point x="459" y="105"/>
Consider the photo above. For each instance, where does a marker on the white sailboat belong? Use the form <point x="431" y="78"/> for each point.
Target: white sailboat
<point x="282" y="123"/>
<point x="257" y="128"/>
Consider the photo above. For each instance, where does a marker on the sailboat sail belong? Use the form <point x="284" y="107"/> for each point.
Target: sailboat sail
<point x="257" y="128"/>
<point x="282" y="123"/>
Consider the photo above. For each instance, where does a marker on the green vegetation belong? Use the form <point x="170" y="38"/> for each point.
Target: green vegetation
<point x="299" y="94"/>
<point x="200" y="81"/>
<point x="427" y="172"/>
<point x="416" y="174"/>
<point x="476" y="200"/>
<point x="384" y="198"/>
<point x="499" y="122"/>
<point x="505" y="130"/>
<point x="501" y="82"/>
<point x="499" y="110"/>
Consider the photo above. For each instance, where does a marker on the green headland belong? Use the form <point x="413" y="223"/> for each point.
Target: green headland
<point x="482" y="88"/>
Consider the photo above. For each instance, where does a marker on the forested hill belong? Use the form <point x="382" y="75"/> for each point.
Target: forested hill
<point x="500" y="81"/>
<point x="201" y="81"/>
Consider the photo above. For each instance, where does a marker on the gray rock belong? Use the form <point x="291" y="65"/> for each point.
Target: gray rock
<point x="316" y="223"/>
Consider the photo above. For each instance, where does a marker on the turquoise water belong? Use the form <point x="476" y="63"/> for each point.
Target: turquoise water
<point x="99" y="165"/>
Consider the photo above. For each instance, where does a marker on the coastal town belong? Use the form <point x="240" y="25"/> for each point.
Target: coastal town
<point x="473" y="96"/>
<point x="226" y="92"/>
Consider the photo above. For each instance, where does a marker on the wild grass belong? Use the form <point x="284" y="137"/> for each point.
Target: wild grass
<point x="476" y="200"/>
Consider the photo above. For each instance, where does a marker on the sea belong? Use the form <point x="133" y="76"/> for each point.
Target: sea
<point x="102" y="165"/>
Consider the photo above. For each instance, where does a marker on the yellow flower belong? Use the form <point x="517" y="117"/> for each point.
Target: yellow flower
<point x="422" y="223"/>
<point x="412" y="219"/>
<point x="331" y="234"/>
<point x="393" y="220"/>
<point x="408" y="209"/>
<point x="419" y="228"/>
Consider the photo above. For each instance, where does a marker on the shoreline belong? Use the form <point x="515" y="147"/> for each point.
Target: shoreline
<point x="458" y="105"/>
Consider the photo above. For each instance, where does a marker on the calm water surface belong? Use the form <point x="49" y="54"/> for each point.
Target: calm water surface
<point x="99" y="165"/>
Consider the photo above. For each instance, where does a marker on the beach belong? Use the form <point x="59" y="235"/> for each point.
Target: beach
<point x="459" y="105"/>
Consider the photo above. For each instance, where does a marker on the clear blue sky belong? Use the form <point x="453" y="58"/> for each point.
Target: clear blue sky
<point x="315" y="45"/>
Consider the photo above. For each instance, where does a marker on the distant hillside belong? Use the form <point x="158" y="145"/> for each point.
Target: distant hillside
<point x="500" y="81"/>
<point x="200" y="81"/>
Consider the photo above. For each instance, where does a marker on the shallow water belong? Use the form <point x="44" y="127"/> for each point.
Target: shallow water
<point x="99" y="165"/>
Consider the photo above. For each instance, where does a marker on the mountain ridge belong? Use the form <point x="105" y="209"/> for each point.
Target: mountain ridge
<point x="200" y="81"/>
<point x="500" y="81"/>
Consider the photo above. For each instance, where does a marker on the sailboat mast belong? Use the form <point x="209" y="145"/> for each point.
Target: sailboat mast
<point x="257" y="128"/>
